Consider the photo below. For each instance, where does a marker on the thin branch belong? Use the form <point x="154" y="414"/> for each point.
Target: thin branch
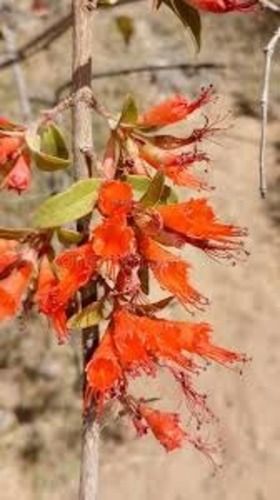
<point x="39" y="42"/>
<point x="47" y="37"/>
<point x="268" y="51"/>
<point x="267" y="4"/>
<point x="150" y="68"/>
<point x="10" y="39"/>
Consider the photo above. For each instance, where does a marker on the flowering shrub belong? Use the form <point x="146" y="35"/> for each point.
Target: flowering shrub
<point x="137" y="225"/>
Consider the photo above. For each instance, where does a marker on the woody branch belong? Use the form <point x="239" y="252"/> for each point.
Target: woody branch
<point x="83" y="11"/>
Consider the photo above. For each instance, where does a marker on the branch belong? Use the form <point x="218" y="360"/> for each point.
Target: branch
<point x="150" y="68"/>
<point x="47" y="37"/>
<point x="268" y="51"/>
<point x="267" y="4"/>
<point x="83" y="152"/>
<point x="10" y="39"/>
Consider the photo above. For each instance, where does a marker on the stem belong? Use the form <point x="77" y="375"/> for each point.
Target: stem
<point x="83" y="153"/>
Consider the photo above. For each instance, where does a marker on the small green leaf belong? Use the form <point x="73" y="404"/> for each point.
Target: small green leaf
<point x="88" y="317"/>
<point x="190" y="18"/>
<point x="68" y="237"/>
<point x="48" y="148"/>
<point x="125" y="26"/>
<point x="154" y="191"/>
<point x="140" y="184"/>
<point x="129" y="114"/>
<point x="72" y="204"/>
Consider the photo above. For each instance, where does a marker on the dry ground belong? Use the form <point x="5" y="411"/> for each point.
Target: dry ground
<point x="39" y="404"/>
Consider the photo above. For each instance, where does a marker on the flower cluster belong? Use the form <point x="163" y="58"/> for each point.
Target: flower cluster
<point x="137" y="226"/>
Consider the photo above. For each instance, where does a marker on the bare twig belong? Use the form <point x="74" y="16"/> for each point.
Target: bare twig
<point x="267" y="4"/>
<point x="149" y="68"/>
<point x="47" y="37"/>
<point x="19" y="77"/>
<point x="269" y="51"/>
<point x="39" y="42"/>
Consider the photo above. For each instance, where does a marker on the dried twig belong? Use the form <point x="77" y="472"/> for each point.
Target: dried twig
<point x="47" y="37"/>
<point x="149" y="68"/>
<point x="269" y="51"/>
<point x="267" y="4"/>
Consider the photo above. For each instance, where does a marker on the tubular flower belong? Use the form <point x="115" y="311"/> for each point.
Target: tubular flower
<point x="134" y="344"/>
<point x="174" y="110"/>
<point x="113" y="239"/>
<point x="59" y="282"/>
<point x="115" y="197"/>
<point x="171" y="272"/>
<point x="197" y="222"/>
<point x="223" y="6"/>
<point x="13" y="289"/>
<point x="174" y="165"/>
<point x="165" y="426"/>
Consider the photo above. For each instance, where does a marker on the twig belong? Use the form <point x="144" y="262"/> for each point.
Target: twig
<point x="47" y="37"/>
<point x="10" y="39"/>
<point x="149" y="68"/>
<point x="268" y="51"/>
<point x="267" y="4"/>
<point x="39" y="42"/>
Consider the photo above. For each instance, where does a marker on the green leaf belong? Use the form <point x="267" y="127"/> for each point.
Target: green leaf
<point x="68" y="237"/>
<point x="48" y="148"/>
<point x="154" y="192"/>
<point x="72" y="204"/>
<point x="88" y="317"/>
<point x="140" y="184"/>
<point x="190" y="18"/>
<point x="129" y="114"/>
<point x="125" y="26"/>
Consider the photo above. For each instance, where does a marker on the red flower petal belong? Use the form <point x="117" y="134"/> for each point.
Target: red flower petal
<point x="173" y="110"/>
<point x="115" y="197"/>
<point x="165" y="427"/>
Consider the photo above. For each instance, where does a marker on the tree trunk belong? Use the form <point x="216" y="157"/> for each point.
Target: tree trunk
<point x="83" y="154"/>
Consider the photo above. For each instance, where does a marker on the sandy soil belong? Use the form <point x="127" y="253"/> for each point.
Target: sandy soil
<point x="38" y="391"/>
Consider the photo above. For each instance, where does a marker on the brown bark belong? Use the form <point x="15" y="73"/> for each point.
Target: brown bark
<point x="83" y="154"/>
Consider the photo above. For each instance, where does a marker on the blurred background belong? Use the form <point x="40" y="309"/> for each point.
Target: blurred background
<point x="39" y="381"/>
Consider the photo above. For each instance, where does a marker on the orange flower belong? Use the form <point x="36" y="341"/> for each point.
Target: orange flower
<point x="133" y="344"/>
<point x="58" y="283"/>
<point x="13" y="288"/>
<point x="113" y="239"/>
<point x="196" y="221"/>
<point x="170" y="271"/>
<point x="174" y="165"/>
<point x="165" y="427"/>
<point x="173" y="110"/>
<point x="115" y="197"/>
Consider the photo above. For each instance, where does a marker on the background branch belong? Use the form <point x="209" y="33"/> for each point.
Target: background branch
<point x="269" y="51"/>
